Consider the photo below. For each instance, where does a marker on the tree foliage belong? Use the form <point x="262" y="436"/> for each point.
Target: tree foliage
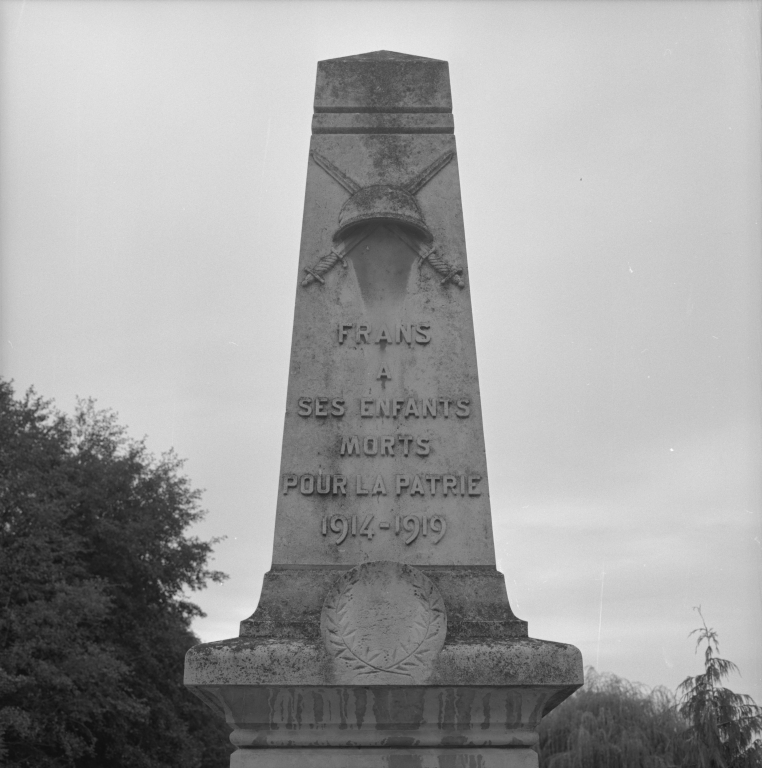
<point x="94" y="622"/>
<point x="613" y="723"/>
<point x="723" y="727"/>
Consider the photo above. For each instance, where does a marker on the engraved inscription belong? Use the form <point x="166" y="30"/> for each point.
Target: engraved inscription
<point x="385" y="445"/>
<point x="410" y="407"/>
<point x="341" y="528"/>
<point x="401" y="333"/>
<point x="366" y="485"/>
<point x="408" y="527"/>
<point x="322" y="407"/>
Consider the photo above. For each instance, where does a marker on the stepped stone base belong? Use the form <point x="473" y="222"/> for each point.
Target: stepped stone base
<point x="385" y="758"/>
<point x="487" y="690"/>
<point x="474" y="595"/>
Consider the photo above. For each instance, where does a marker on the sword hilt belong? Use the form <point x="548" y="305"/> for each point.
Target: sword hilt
<point x="328" y="262"/>
<point x="448" y="272"/>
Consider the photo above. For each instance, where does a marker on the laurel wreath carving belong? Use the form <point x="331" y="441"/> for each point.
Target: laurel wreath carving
<point x="417" y="648"/>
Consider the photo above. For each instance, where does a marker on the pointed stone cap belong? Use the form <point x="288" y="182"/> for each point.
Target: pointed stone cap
<point x="383" y="81"/>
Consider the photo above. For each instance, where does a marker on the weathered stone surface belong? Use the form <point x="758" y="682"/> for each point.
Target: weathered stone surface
<point x="383" y="81"/>
<point x="383" y="623"/>
<point x="385" y="758"/>
<point x="392" y="347"/>
<point x="418" y="717"/>
<point x="272" y="662"/>
<point x="380" y="122"/>
<point x="475" y="600"/>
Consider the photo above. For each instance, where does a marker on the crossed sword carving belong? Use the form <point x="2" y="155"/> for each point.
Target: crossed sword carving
<point x="339" y="252"/>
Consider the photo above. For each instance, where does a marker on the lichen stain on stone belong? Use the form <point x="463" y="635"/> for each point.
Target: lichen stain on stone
<point x="298" y="708"/>
<point x="512" y="710"/>
<point x="344" y="705"/>
<point x="390" y="156"/>
<point x="273" y="719"/>
<point x="536" y="713"/>
<point x="486" y="709"/>
<point x="459" y="761"/>
<point x="405" y="761"/>
<point x="393" y="708"/>
<point x="361" y="703"/>
<point x="454" y="739"/>
<point x="318" y="708"/>
<point x="464" y="707"/>
<point x="386" y="78"/>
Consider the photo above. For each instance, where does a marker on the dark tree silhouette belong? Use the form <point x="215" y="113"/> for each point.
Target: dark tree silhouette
<point x="94" y="623"/>
<point x="723" y="727"/>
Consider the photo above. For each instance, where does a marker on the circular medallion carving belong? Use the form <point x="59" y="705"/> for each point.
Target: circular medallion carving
<point x="383" y="622"/>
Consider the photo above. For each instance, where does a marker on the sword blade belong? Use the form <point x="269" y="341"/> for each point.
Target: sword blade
<point x="421" y="179"/>
<point x="354" y="240"/>
<point x="338" y="176"/>
<point x="416" y="245"/>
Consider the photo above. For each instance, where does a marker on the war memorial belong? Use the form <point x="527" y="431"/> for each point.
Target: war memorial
<point x="383" y="635"/>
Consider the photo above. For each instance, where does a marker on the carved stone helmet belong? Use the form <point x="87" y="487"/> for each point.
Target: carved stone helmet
<point x="382" y="202"/>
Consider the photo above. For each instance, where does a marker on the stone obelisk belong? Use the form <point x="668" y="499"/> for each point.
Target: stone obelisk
<point x="383" y="635"/>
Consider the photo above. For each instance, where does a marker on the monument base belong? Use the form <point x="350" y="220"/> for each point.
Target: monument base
<point x="289" y="703"/>
<point x="452" y="757"/>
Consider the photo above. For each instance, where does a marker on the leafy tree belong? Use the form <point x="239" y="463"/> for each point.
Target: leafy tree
<point x="613" y="723"/>
<point x="723" y="727"/>
<point x="94" y="623"/>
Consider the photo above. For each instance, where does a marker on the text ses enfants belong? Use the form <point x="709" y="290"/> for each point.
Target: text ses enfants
<point x="394" y="408"/>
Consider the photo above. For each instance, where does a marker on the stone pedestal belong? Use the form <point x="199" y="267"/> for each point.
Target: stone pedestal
<point x="383" y="635"/>
<point x="513" y="757"/>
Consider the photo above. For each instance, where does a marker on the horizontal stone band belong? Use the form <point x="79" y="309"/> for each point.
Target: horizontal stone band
<point x="368" y="757"/>
<point x="382" y="122"/>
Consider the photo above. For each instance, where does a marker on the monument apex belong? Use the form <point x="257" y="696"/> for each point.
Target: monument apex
<point x="383" y="633"/>
<point x="383" y="81"/>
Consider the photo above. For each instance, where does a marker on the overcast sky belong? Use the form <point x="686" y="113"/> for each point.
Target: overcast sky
<point x="153" y="158"/>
